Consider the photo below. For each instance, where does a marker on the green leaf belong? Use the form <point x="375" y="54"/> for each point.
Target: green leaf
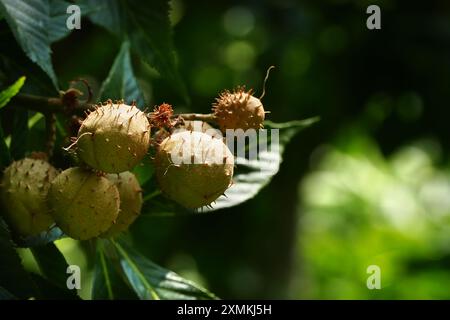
<point x="13" y="276"/>
<point x="148" y="27"/>
<point x="106" y="13"/>
<point x="14" y="64"/>
<point x="58" y="17"/>
<point x="53" y="266"/>
<point x="5" y="97"/>
<point x="11" y="91"/>
<point x="29" y="21"/>
<point x="253" y="175"/>
<point x="151" y="281"/>
<point x="48" y="289"/>
<point x="121" y="82"/>
<point x="151" y="36"/>
<point x="108" y="283"/>
<point x="5" y="156"/>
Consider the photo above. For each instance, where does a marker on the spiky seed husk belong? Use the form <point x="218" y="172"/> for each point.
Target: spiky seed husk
<point x="25" y="184"/>
<point x="130" y="202"/>
<point x="83" y="203"/>
<point x="199" y="184"/>
<point x="114" y="138"/>
<point x="238" y="110"/>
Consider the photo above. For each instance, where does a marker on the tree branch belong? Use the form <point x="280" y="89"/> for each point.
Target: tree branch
<point x="45" y="105"/>
<point x="49" y="105"/>
<point x="197" y="116"/>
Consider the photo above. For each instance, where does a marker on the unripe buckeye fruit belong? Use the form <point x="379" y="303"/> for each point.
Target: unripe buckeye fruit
<point x="24" y="188"/>
<point x="113" y="138"/>
<point x="83" y="204"/>
<point x="193" y="168"/>
<point x="238" y="110"/>
<point x="130" y="194"/>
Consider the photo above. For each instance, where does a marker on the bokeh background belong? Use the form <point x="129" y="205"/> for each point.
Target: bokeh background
<point x="367" y="185"/>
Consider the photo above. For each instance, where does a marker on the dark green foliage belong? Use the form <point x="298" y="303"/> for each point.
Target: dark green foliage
<point x="124" y="49"/>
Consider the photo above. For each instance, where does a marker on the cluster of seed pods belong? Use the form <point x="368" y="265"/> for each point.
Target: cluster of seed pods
<point x="101" y="197"/>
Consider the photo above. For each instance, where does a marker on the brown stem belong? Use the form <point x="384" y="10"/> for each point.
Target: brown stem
<point x="197" y="116"/>
<point x="49" y="105"/>
<point x="45" y="105"/>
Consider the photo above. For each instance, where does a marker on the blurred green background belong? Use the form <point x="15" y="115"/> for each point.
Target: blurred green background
<point x="368" y="185"/>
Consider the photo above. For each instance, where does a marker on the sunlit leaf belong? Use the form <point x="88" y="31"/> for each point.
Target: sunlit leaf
<point x="5" y="156"/>
<point x="253" y="175"/>
<point x="11" y="91"/>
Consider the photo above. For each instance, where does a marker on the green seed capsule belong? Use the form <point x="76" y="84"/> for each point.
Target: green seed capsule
<point x="25" y="184"/>
<point x="114" y="138"/>
<point x="193" y="168"/>
<point x="130" y="202"/>
<point x="83" y="204"/>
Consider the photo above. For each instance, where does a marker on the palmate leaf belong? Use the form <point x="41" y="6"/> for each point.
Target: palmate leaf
<point x="121" y="82"/>
<point x="150" y="281"/>
<point x="29" y="21"/>
<point x="253" y="175"/>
